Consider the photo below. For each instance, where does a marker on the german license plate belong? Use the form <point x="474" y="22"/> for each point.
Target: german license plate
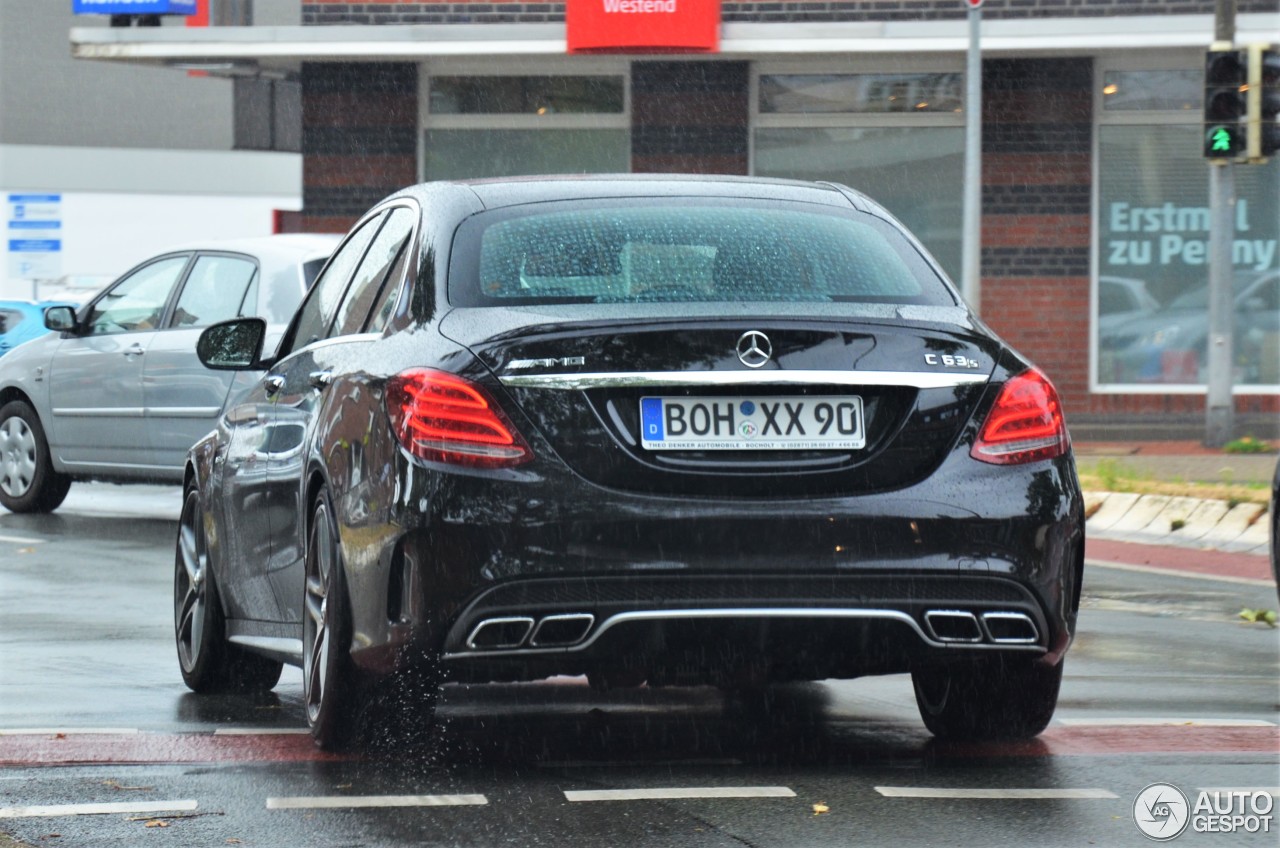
<point x="831" y="422"/>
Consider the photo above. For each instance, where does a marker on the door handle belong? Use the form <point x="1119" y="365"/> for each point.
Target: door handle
<point x="273" y="383"/>
<point x="134" y="350"/>
<point x="320" y="379"/>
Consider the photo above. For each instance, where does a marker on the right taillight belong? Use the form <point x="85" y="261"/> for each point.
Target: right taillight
<point x="442" y="417"/>
<point x="1025" y="423"/>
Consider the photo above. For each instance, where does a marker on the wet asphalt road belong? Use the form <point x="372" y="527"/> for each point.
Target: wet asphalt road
<point x="1164" y="685"/>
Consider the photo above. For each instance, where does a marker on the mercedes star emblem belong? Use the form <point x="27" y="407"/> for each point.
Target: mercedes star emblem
<point x="754" y="348"/>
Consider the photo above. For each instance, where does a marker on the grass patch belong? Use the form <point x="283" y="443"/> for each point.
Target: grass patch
<point x="1108" y="475"/>
<point x="1248" y="444"/>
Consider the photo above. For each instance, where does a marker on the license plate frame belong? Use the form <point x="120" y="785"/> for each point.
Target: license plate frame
<point x="752" y="423"/>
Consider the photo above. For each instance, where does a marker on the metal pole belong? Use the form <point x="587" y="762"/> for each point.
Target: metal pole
<point x="1219" y="425"/>
<point x="971" y="246"/>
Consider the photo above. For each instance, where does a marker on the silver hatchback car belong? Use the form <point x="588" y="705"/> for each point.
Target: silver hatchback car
<point x="118" y="394"/>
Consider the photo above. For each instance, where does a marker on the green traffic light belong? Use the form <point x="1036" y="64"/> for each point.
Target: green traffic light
<point x="1222" y="141"/>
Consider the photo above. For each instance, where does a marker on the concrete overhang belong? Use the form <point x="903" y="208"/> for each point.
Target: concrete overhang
<point x="281" y="49"/>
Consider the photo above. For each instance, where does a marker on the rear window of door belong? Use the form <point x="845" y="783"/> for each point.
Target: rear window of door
<point x="318" y="309"/>
<point x="376" y="269"/>
<point x="218" y="288"/>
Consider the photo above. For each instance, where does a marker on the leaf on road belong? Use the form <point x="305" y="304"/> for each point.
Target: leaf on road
<point x="115" y="784"/>
<point x="156" y="823"/>
<point x="1267" y="617"/>
<point x="820" y="808"/>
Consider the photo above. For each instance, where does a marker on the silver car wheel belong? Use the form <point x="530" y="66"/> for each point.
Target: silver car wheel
<point x="18" y="451"/>
<point x="189" y="590"/>
<point x="316" y="636"/>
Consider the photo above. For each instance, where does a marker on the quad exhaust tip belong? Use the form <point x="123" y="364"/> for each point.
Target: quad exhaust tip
<point x="953" y="626"/>
<point x="495" y="633"/>
<point x="557" y="631"/>
<point x="996" y="628"/>
<point x="1010" y="628"/>
<point x="552" y="631"/>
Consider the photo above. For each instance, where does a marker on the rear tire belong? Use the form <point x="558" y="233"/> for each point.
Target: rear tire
<point x="998" y="698"/>
<point x="209" y="663"/>
<point x="329" y="689"/>
<point x="28" y="481"/>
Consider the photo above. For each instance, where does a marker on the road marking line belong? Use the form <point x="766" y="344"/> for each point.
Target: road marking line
<point x="677" y="792"/>
<point x="1033" y="794"/>
<point x="328" y="802"/>
<point x="1164" y="722"/>
<point x="556" y="764"/>
<point x="97" y="809"/>
<point x="69" y="731"/>
<point x="21" y="540"/>
<point x="1175" y="572"/>
<point x="261" y="731"/>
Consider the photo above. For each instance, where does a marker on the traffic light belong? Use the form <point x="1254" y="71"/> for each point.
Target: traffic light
<point x="1268" y="102"/>
<point x="1225" y="103"/>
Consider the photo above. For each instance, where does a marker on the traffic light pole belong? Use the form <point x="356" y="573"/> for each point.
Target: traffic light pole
<point x="1219" y="404"/>
<point x="971" y="242"/>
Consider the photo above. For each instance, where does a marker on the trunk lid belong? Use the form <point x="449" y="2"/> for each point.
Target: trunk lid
<point x="593" y="388"/>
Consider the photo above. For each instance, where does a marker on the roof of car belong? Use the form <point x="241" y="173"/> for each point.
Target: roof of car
<point x="509" y="191"/>
<point x="287" y="246"/>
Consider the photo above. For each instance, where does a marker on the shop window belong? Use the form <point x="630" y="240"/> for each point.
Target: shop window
<point x="883" y="93"/>
<point x="488" y="125"/>
<point x="1151" y="317"/>
<point x="1152" y="90"/>
<point x="534" y="95"/>
<point x="897" y="137"/>
<point x="468" y="154"/>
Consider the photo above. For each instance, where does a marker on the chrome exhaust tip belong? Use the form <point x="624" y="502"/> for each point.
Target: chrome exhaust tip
<point x="1010" y="628"/>
<point x="557" y="631"/>
<point x="953" y="626"/>
<point x="497" y="633"/>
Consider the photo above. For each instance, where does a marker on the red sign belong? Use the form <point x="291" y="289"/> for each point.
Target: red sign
<point x="643" y="26"/>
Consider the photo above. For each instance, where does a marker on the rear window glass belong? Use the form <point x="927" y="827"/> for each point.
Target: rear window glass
<point x="686" y="253"/>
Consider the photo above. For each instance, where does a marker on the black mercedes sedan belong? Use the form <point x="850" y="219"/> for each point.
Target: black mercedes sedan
<point x="650" y="430"/>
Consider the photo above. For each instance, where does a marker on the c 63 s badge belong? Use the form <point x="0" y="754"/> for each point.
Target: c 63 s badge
<point x="946" y="360"/>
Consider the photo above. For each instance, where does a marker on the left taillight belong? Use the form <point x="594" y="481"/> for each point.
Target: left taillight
<point x="1025" y="423"/>
<point x="442" y="417"/>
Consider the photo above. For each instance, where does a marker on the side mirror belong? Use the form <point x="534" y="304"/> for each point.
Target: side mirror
<point x="234" y="345"/>
<point x="60" y="318"/>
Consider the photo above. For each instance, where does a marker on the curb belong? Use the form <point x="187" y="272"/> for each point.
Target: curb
<point x="1178" y="522"/>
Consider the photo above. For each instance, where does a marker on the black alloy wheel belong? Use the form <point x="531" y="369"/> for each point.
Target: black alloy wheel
<point x="28" y="482"/>
<point x="328" y="680"/>
<point x="208" y="662"/>
<point x="995" y="698"/>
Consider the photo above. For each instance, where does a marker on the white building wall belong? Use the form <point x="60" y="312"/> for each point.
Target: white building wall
<point x="121" y="205"/>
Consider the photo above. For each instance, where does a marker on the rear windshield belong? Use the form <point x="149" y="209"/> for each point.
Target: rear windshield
<point x="686" y="252"/>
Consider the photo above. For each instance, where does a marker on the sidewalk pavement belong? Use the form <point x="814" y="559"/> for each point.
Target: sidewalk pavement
<point x="1182" y="461"/>
<point x="1189" y="535"/>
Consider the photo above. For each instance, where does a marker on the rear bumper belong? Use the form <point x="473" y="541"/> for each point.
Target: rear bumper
<point x="685" y="628"/>
<point x="812" y="588"/>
